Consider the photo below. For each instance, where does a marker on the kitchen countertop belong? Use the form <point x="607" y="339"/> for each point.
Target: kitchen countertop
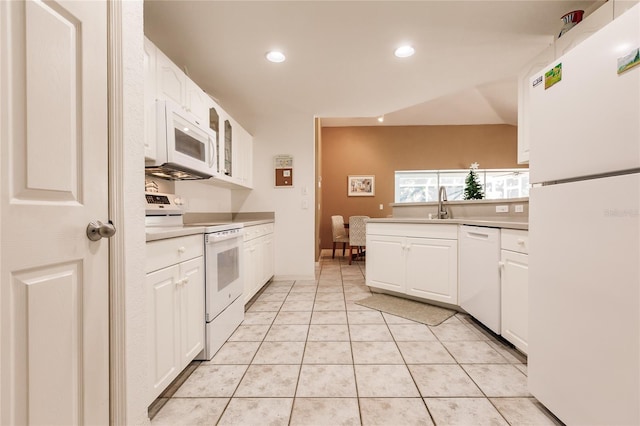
<point x="493" y="222"/>
<point x="154" y="233"/>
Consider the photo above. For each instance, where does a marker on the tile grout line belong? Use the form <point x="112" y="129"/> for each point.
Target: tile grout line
<point x="353" y="359"/>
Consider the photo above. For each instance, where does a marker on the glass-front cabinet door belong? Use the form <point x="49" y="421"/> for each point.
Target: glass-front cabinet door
<point x="214" y="124"/>
<point x="228" y="142"/>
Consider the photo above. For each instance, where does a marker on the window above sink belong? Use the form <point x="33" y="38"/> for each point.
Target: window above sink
<point x="415" y="186"/>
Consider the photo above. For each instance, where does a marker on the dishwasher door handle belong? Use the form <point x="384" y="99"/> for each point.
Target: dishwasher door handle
<point x="477" y="235"/>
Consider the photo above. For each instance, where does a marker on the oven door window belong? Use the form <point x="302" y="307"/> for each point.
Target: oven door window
<point x="228" y="267"/>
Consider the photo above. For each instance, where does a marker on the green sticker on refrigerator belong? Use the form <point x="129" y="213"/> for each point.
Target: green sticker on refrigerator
<point x="553" y="76"/>
<point x="628" y="61"/>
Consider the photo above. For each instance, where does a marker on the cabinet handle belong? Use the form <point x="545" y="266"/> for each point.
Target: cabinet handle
<point x="181" y="250"/>
<point x="501" y="264"/>
<point x="521" y="241"/>
<point x="185" y="281"/>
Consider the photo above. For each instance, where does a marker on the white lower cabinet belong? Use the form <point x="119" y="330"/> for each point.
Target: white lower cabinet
<point x="175" y="308"/>
<point x="514" y="264"/>
<point x="419" y="260"/>
<point x="259" y="256"/>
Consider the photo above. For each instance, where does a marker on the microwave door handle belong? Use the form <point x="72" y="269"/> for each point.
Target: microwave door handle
<point x="211" y="155"/>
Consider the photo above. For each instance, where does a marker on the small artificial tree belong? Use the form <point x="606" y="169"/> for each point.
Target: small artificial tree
<point x="472" y="187"/>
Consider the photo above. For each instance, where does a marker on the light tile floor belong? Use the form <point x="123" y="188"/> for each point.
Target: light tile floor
<point x="307" y="354"/>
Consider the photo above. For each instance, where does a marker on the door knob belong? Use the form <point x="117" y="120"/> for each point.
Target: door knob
<point x="97" y="230"/>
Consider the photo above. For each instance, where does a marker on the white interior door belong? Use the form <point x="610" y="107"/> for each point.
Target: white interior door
<point x="54" y="294"/>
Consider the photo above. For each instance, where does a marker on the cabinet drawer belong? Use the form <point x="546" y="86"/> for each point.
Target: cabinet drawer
<point x="163" y="253"/>
<point x="255" y="231"/>
<point x="515" y="240"/>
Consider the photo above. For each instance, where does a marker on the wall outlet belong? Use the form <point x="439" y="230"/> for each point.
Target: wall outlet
<point x="502" y="209"/>
<point x="519" y="208"/>
<point x="381" y="207"/>
<point x="305" y="204"/>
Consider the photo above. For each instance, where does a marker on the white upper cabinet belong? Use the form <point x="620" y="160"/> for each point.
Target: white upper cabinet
<point x="171" y="81"/>
<point x="235" y="152"/>
<point x="197" y="102"/>
<point x="535" y="65"/>
<point x="150" y="90"/>
<point x="245" y="158"/>
<point x="621" y="6"/>
<point x="164" y="80"/>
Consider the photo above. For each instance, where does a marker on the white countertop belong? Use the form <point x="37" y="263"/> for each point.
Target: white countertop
<point x="497" y="222"/>
<point x="154" y="233"/>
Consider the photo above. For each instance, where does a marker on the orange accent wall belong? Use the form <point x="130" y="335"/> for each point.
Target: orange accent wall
<point x="380" y="151"/>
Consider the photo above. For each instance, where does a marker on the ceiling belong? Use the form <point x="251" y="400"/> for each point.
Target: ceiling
<point x="340" y="64"/>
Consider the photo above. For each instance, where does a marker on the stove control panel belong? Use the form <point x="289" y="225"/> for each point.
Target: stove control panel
<point x="158" y="204"/>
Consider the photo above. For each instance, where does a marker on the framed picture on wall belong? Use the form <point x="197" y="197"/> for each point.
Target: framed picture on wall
<point x="361" y="186"/>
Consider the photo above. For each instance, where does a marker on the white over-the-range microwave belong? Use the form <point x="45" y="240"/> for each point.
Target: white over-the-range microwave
<point x="185" y="148"/>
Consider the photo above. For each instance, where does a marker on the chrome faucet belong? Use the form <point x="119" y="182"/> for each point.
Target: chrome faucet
<point x="442" y="198"/>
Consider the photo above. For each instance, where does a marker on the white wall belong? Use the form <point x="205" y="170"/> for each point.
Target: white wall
<point x="133" y="226"/>
<point x="294" y="227"/>
<point x="204" y="197"/>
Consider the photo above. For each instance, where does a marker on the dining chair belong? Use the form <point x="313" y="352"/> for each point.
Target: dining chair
<point x="339" y="234"/>
<point x="357" y="235"/>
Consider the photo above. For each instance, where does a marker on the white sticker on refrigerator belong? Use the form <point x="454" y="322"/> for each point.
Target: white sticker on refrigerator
<point x="537" y="81"/>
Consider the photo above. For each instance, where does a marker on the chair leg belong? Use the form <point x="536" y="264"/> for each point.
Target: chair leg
<point x="344" y="245"/>
<point x="350" y="254"/>
<point x="333" y="252"/>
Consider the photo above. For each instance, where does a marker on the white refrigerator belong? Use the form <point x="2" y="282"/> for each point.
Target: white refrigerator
<point x="584" y="227"/>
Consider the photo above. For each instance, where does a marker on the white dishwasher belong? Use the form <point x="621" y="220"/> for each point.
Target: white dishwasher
<point x="479" y="274"/>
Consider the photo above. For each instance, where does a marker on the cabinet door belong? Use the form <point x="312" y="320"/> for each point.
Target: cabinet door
<point x="247" y="160"/>
<point x="259" y="260"/>
<point x="163" y="326"/>
<point x="432" y="269"/>
<point x="214" y="118"/>
<point x="621" y="6"/>
<point x="170" y="80"/>
<point x="150" y="91"/>
<point x="385" y="262"/>
<point x="197" y="102"/>
<point x="243" y="157"/>
<point x="249" y="270"/>
<point x="227" y="148"/>
<point x="515" y="298"/>
<point x="192" y="313"/>
<point x="524" y="87"/>
<point x="269" y="258"/>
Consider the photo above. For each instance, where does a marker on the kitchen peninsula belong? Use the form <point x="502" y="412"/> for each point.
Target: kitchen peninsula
<point x="476" y="263"/>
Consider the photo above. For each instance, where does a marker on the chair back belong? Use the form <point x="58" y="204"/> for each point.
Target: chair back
<point x="337" y="228"/>
<point x="358" y="230"/>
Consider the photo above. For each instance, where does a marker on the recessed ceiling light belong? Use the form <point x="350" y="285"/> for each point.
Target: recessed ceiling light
<point x="380" y="119"/>
<point x="404" y="51"/>
<point x="275" y="56"/>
